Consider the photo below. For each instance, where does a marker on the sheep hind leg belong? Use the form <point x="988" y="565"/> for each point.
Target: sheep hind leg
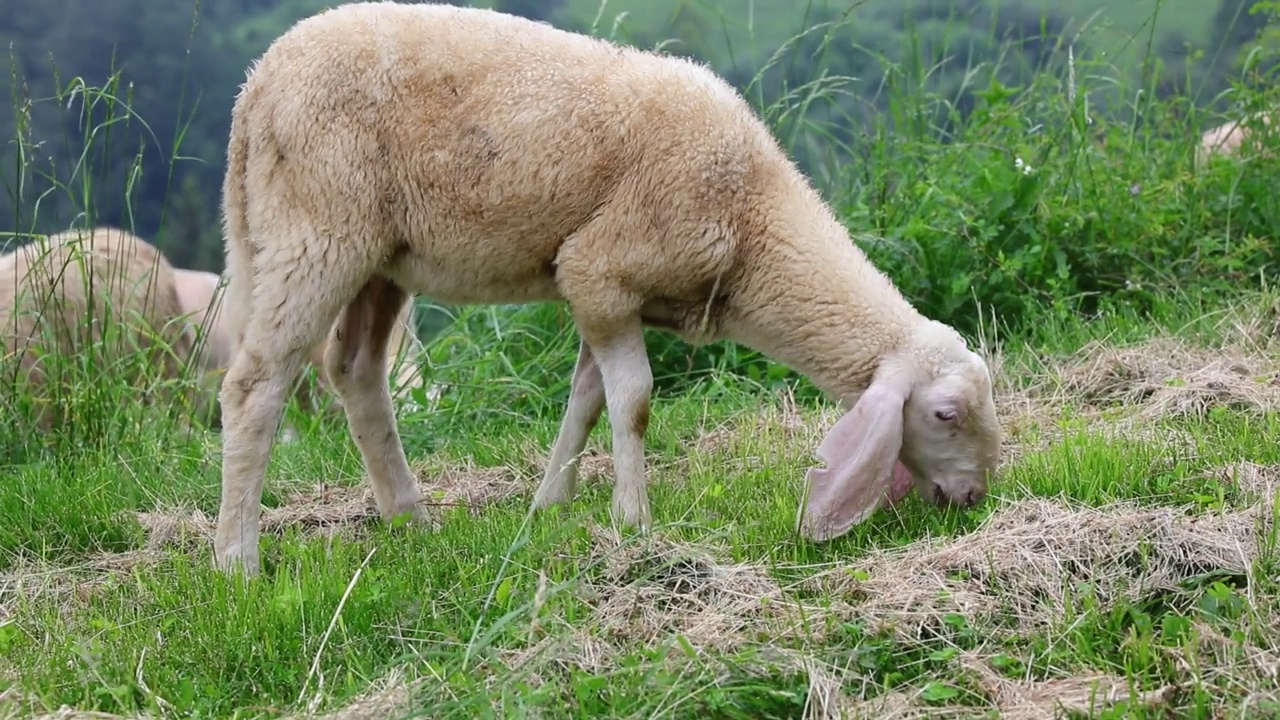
<point x="356" y="365"/>
<point x="586" y="402"/>
<point x="279" y="329"/>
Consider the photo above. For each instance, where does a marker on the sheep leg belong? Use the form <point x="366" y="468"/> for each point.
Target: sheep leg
<point x="253" y="394"/>
<point x="278" y="325"/>
<point x="357" y="367"/>
<point x="628" y="382"/>
<point x="586" y="402"/>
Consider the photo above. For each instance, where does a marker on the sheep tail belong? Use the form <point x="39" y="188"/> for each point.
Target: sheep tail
<point x="239" y="250"/>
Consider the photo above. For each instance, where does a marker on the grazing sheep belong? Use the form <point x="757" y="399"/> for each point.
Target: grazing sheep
<point x="48" y="303"/>
<point x="198" y="291"/>
<point x="383" y="149"/>
<point x="1226" y="139"/>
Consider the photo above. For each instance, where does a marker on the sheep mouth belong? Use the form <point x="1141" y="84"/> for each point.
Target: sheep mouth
<point x="964" y="498"/>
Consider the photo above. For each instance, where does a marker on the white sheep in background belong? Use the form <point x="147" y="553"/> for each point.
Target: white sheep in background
<point x="383" y="149"/>
<point x="200" y="297"/>
<point x="59" y="295"/>
<point x="1226" y="139"/>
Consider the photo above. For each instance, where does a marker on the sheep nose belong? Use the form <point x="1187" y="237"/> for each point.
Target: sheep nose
<point x="974" y="496"/>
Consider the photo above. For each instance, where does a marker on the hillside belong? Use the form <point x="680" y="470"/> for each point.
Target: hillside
<point x="1117" y="28"/>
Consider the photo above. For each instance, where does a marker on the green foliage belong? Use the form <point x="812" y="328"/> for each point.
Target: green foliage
<point x="992" y="158"/>
<point x="1023" y="178"/>
<point x="499" y="614"/>
<point x="1010" y="179"/>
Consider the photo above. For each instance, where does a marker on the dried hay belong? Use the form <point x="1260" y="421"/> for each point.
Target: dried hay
<point x="1032" y="560"/>
<point x="1014" y="699"/>
<point x="330" y="509"/>
<point x="648" y="590"/>
<point x="1256" y="482"/>
<point x="14" y="704"/>
<point x="326" y="511"/>
<point x="465" y="485"/>
<point x="1166" y="377"/>
<point x="567" y="648"/>
<point x="68" y="713"/>
<point x="391" y="696"/>
<point x="783" y="418"/>
<point x="1116" y="391"/>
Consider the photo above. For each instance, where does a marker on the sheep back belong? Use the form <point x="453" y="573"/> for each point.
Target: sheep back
<point x="99" y="296"/>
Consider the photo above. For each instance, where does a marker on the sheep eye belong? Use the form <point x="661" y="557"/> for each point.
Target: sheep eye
<point x="945" y="415"/>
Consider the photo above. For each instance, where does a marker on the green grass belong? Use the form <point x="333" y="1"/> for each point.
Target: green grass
<point x="1126" y="544"/>
<point x="760" y="26"/>
<point x="100" y="616"/>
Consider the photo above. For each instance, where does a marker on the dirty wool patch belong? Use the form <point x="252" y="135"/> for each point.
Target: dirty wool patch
<point x="1030" y="561"/>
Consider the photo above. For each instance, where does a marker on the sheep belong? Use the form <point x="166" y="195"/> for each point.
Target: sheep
<point x="1226" y="139"/>
<point x="46" y="306"/>
<point x="200" y="301"/>
<point x="198" y="293"/>
<point x="475" y="157"/>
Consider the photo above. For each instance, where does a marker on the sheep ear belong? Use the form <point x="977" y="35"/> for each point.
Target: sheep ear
<point x="861" y="453"/>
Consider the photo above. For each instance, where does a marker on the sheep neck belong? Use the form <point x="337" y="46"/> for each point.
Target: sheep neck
<point x="816" y="304"/>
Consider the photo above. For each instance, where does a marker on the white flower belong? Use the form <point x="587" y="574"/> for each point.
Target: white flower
<point x="1025" y="168"/>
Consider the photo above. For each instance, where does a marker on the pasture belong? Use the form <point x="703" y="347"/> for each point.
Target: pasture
<point x="1124" y="565"/>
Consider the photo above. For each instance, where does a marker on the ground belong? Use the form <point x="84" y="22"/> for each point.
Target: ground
<point x="1123" y="566"/>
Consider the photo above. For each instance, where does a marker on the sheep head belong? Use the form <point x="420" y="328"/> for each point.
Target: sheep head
<point x="927" y="420"/>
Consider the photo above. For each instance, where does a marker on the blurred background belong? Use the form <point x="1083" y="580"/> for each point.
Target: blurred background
<point x="996" y="157"/>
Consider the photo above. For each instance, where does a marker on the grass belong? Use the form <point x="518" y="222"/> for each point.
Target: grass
<point x="1120" y="28"/>
<point x="1124" y="566"/>
<point x="1129" y="548"/>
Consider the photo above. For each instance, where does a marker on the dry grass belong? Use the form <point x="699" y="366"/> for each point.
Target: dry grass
<point x="330" y="509"/>
<point x="1031" y="563"/>
<point x="1256" y="482"/>
<point x="1132" y="392"/>
<point x="1013" y="699"/>
<point x="1018" y="574"/>
<point x="1113" y="392"/>
<point x="646" y="592"/>
<point x="1035" y="560"/>
<point x="1169" y="379"/>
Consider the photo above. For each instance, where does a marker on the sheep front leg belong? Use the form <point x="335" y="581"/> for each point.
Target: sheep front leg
<point x="628" y="383"/>
<point x="586" y="402"/>
<point x="356" y="364"/>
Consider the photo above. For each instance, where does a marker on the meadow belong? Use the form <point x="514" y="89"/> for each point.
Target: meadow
<point x="1124" y="565"/>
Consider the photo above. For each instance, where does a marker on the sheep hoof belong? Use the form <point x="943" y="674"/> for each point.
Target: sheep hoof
<point x="236" y="558"/>
<point x="402" y="516"/>
<point x="628" y="512"/>
<point x="548" y="495"/>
